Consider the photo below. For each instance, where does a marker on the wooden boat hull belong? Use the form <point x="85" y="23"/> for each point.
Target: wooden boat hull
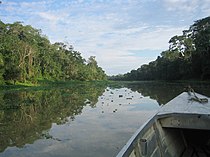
<point x="180" y="128"/>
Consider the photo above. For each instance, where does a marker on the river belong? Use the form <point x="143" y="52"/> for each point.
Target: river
<point x="81" y="120"/>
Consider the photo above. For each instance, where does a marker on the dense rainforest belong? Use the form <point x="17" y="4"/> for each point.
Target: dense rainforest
<point x="188" y="57"/>
<point x="26" y="55"/>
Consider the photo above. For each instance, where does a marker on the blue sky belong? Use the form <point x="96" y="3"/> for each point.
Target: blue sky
<point x="122" y="34"/>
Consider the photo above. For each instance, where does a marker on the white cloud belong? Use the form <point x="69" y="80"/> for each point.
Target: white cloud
<point x="110" y="30"/>
<point x="182" y="5"/>
<point x="205" y="7"/>
<point x="48" y="16"/>
<point x="113" y="53"/>
<point x="116" y="62"/>
<point x="196" y="8"/>
<point x="101" y="37"/>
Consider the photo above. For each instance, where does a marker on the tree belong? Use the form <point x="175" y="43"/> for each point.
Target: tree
<point x="201" y="35"/>
<point x="26" y="51"/>
<point x="94" y="71"/>
<point x="12" y="74"/>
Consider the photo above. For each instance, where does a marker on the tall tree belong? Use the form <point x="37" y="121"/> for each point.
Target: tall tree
<point x="201" y="35"/>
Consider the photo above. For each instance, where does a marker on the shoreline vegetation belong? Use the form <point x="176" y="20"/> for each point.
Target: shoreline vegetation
<point x="48" y="84"/>
<point x="27" y="56"/>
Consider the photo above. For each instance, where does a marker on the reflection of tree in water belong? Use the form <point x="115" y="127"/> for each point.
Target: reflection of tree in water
<point x="24" y="115"/>
<point x="163" y="92"/>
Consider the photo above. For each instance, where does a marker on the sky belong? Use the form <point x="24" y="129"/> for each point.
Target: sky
<point x="122" y="34"/>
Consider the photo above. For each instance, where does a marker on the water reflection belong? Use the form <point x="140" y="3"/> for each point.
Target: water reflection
<point x="81" y="120"/>
<point x="25" y="114"/>
<point x="163" y="92"/>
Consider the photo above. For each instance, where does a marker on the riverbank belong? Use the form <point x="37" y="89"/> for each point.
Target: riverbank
<point x="44" y="84"/>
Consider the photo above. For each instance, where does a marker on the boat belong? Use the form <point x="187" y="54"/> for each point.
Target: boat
<point x="180" y="128"/>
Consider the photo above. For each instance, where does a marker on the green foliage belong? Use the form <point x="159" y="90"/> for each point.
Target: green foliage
<point x="188" y="57"/>
<point x="26" y="55"/>
<point x="12" y="73"/>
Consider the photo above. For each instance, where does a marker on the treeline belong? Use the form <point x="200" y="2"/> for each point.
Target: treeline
<point x="27" y="55"/>
<point x="188" y="57"/>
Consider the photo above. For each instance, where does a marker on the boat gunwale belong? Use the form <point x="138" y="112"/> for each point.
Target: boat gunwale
<point x="130" y="145"/>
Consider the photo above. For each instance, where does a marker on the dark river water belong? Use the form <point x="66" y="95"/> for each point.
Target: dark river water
<point x="81" y="120"/>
